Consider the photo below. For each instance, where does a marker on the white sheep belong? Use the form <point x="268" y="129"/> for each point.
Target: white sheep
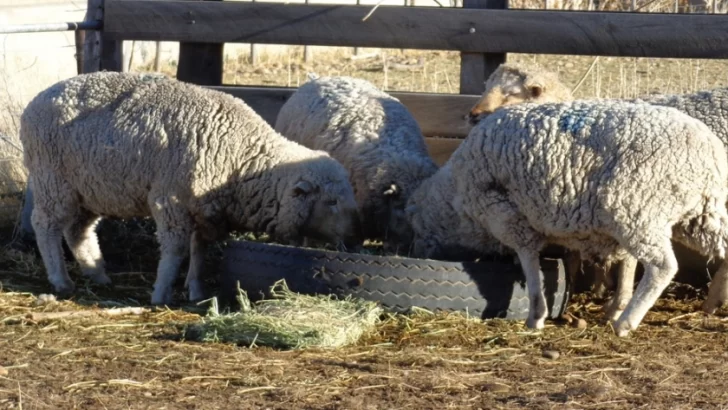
<point x="199" y="161"/>
<point x="605" y="178"/>
<point x="376" y="139"/>
<point x="441" y="230"/>
<point x="515" y="83"/>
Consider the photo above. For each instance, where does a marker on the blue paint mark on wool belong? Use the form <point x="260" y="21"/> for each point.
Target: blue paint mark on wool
<point x="575" y="120"/>
<point x="147" y="77"/>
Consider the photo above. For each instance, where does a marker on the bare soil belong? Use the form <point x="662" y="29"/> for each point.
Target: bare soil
<point x="677" y="359"/>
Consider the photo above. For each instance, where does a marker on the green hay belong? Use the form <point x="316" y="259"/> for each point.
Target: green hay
<point x="290" y="321"/>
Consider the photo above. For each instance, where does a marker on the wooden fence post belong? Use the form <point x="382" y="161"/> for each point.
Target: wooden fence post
<point x="306" y="49"/>
<point x="79" y="38"/>
<point x="476" y="67"/>
<point x="253" y="51"/>
<point x="157" y="55"/>
<point x="92" y="39"/>
<point x="356" y="49"/>
<point x="110" y="57"/>
<point x="200" y="63"/>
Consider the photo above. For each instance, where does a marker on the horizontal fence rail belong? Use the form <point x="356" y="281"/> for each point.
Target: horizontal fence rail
<point x="48" y="27"/>
<point x="465" y="30"/>
<point x="437" y="114"/>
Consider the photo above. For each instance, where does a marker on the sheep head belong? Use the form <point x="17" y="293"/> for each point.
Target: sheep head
<point x="518" y="83"/>
<point x="396" y="182"/>
<point x="318" y="206"/>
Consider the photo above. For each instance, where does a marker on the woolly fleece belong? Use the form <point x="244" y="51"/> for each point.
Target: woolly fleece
<point x="556" y="173"/>
<point x="200" y="162"/>
<point x="376" y="139"/>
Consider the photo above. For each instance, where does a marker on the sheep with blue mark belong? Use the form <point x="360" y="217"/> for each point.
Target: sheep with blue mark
<point x="516" y="83"/>
<point x="608" y="179"/>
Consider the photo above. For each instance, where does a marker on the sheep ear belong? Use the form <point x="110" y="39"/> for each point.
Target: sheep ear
<point x="302" y="188"/>
<point x="391" y="191"/>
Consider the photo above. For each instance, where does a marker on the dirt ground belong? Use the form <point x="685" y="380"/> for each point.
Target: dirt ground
<point x="677" y="359"/>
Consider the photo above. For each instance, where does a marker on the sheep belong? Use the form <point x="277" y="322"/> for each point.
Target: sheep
<point x="376" y="139"/>
<point x="515" y="83"/>
<point x="605" y="178"/>
<point x="199" y="162"/>
<point x="441" y="230"/>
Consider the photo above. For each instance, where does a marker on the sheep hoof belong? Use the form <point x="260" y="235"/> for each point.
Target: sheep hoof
<point x="196" y="292"/>
<point x="64" y="290"/>
<point x="101" y="279"/>
<point x="162" y="297"/>
<point x="533" y="323"/>
<point x="710" y="306"/>
<point x="622" y="328"/>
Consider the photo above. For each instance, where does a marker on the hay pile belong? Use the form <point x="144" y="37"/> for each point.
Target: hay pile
<point x="289" y="320"/>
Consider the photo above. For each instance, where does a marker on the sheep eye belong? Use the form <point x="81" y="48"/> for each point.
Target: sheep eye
<point x="331" y="202"/>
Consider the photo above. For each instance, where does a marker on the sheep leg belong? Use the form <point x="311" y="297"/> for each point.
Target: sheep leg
<point x="50" y="244"/>
<point x="174" y="230"/>
<point x="537" y="310"/>
<point x="81" y="237"/>
<point x="718" y="290"/>
<point x="511" y="228"/>
<point x="600" y="278"/>
<point x="625" y="286"/>
<point x="660" y="268"/>
<point x="604" y="280"/>
<point x="572" y="264"/>
<point x="195" y="288"/>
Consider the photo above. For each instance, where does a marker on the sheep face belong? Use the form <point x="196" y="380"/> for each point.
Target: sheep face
<point x="404" y="177"/>
<point x="515" y="84"/>
<point x="399" y="231"/>
<point x="332" y="213"/>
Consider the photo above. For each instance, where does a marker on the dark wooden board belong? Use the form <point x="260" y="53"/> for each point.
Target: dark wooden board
<point x="475" y="68"/>
<point x="495" y="31"/>
<point x="112" y="55"/>
<point x="200" y="62"/>
<point x="437" y="114"/>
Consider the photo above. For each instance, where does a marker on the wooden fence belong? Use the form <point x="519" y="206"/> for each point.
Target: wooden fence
<point x="483" y="31"/>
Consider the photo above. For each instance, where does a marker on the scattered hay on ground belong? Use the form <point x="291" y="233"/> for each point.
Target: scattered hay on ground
<point x="289" y="320"/>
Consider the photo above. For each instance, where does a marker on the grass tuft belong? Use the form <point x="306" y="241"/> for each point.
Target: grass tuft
<point x="289" y="321"/>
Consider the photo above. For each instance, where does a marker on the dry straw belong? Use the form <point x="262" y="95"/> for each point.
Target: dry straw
<point x="289" y="320"/>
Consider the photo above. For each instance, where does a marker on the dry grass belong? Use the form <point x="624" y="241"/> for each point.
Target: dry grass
<point x="289" y="320"/>
<point x="422" y="361"/>
<point x="438" y="72"/>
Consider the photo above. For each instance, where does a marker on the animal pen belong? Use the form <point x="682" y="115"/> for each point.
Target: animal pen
<point x="63" y="354"/>
<point x="482" y="31"/>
